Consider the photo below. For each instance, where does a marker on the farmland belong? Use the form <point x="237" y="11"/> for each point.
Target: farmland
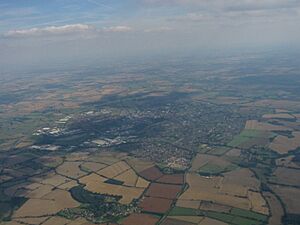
<point x="188" y="141"/>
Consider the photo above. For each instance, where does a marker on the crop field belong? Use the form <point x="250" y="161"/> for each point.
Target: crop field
<point x="276" y="210"/>
<point x="191" y="219"/>
<point x="193" y="204"/>
<point x="70" y="169"/>
<point x="172" y="179"/>
<point x="286" y="176"/>
<point x="155" y="205"/>
<point x="262" y="126"/>
<point x="114" y="169"/>
<point x="290" y="197"/>
<point x="278" y="116"/>
<point x="138" y="219"/>
<point x="170" y="221"/>
<point x="168" y="191"/>
<point x="151" y="174"/>
<point x="282" y="144"/>
<point x="250" y="137"/>
<point x="50" y="203"/>
<point x="210" y="162"/>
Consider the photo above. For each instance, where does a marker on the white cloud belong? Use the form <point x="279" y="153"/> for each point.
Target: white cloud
<point x="50" y="30"/>
<point x="117" y="29"/>
<point x="65" y="30"/>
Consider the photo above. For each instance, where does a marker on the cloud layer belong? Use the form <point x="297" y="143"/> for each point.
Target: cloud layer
<point x="64" y="30"/>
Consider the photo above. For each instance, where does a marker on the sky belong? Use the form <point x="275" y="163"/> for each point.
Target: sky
<point x="41" y="32"/>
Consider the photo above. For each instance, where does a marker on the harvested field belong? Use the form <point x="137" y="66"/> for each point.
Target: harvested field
<point x="114" y="170"/>
<point x="127" y="193"/>
<point x="255" y="125"/>
<point x="139" y="165"/>
<point x="191" y="219"/>
<point x="278" y="116"/>
<point x="70" y="169"/>
<point x="169" y="191"/>
<point x="287" y="162"/>
<point x="232" y="190"/>
<point x="129" y="178"/>
<point x="138" y="219"/>
<point x="210" y="206"/>
<point x="142" y="183"/>
<point x="218" y="151"/>
<point x="208" y="221"/>
<point x="170" y="221"/>
<point x="40" y="191"/>
<point x="282" y="144"/>
<point x="77" y="156"/>
<point x="275" y="208"/>
<point x="234" y="153"/>
<point x="92" y="166"/>
<point x="290" y="197"/>
<point x="57" y="220"/>
<point x="286" y="176"/>
<point x="55" y="180"/>
<point x="151" y="174"/>
<point x="172" y="179"/>
<point x="193" y="204"/>
<point x="258" y="203"/>
<point x="67" y="186"/>
<point x="155" y="205"/>
<point x="49" y="205"/>
<point x="93" y="177"/>
<point x="32" y="220"/>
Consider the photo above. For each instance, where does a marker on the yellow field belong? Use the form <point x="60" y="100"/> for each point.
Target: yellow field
<point x="57" y="220"/>
<point x="95" y="183"/>
<point x="55" y="180"/>
<point x="129" y="178"/>
<point x="70" y="169"/>
<point x="231" y="190"/>
<point x="51" y="203"/>
<point x="282" y="144"/>
<point x="258" y="203"/>
<point x="32" y="220"/>
<point x="142" y="183"/>
<point x="139" y="165"/>
<point x="92" y="166"/>
<point x="114" y="169"/>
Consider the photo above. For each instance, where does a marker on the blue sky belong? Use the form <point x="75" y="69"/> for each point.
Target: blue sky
<point x="68" y="29"/>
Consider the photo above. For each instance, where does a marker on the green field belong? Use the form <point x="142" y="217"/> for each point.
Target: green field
<point x="213" y="169"/>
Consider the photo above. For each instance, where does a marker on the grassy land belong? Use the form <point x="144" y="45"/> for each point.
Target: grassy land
<point x="213" y="169"/>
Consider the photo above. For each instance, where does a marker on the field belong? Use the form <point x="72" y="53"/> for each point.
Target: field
<point x="251" y="137"/>
<point x="286" y="176"/>
<point x="276" y="210"/>
<point x="232" y="190"/>
<point x="262" y="126"/>
<point x="282" y="144"/>
<point x="168" y="191"/>
<point x="50" y="203"/>
<point x="290" y="197"/>
<point x="138" y="219"/>
<point x="155" y="205"/>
